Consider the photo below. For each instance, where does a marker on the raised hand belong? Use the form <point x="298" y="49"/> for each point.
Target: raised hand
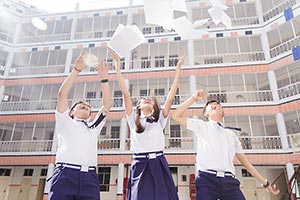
<point x="273" y="189"/>
<point x="181" y="60"/>
<point x="200" y="94"/>
<point x="79" y="63"/>
<point x="102" y="69"/>
<point x="116" y="59"/>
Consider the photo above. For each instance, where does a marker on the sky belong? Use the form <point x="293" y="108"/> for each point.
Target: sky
<point x="57" y="6"/>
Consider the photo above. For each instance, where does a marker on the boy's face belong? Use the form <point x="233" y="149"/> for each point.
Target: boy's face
<point x="214" y="109"/>
<point x="81" y="111"/>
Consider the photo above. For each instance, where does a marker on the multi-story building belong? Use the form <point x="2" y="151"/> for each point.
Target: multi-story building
<point x="252" y="68"/>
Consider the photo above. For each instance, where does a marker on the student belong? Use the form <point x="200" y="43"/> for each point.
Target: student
<point x="75" y="174"/>
<point x="216" y="148"/>
<point x="150" y="176"/>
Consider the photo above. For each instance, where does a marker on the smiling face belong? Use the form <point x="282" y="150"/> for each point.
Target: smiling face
<point x="81" y="110"/>
<point x="146" y="105"/>
<point x="213" y="110"/>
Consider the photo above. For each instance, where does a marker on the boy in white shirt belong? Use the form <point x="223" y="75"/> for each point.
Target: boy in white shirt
<point x="75" y="175"/>
<point x="216" y="148"/>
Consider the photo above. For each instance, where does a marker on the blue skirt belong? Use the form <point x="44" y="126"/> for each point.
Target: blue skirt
<point x="150" y="178"/>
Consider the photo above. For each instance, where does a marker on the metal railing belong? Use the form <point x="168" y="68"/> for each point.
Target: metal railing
<point x="44" y="38"/>
<point x="229" y="58"/>
<point x="37" y="70"/>
<point x="294" y="141"/>
<point x="155" y="63"/>
<point x="26" y="146"/>
<point x="284" y="47"/>
<point x="244" y="21"/>
<point x="289" y="90"/>
<point x="278" y="9"/>
<point x="260" y="142"/>
<point x="172" y="143"/>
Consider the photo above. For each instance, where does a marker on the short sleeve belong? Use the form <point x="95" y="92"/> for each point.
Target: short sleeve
<point x="61" y="118"/>
<point x="130" y="120"/>
<point x="237" y="145"/>
<point x="194" y="124"/>
<point x="163" y="120"/>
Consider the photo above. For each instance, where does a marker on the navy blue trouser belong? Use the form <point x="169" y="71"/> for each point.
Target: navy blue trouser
<point x="211" y="187"/>
<point x="73" y="184"/>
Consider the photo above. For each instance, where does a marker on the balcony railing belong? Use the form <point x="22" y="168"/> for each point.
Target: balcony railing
<point x="284" y="47"/>
<point x="243" y="96"/>
<point x="249" y="143"/>
<point x="156" y="62"/>
<point x="245" y="21"/>
<point x="117" y="102"/>
<point x="294" y="142"/>
<point x="289" y="90"/>
<point x="104" y="34"/>
<point x="278" y="9"/>
<point x="229" y="58"/>
<point x="26" y="146"/>
<point x="44" y="38"/>
<point x="6" y="37"/>
<point x="260" y="142"/>
<point x="37" y="70"/>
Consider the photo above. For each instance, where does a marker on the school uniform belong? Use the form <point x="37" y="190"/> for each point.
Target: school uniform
<point x="75" y="174"/>
<point x="216" y="149"/>
<point x="150" y="176"/>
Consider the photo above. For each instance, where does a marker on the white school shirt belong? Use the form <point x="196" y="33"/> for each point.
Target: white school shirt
<point x="152" y="139"/>
<point x="216" y="146"/>
<point x="77" y="144"/>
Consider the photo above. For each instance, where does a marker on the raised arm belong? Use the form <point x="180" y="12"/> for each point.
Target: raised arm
<point x="63" y="92"/>
<point x="174" y="87"/>
<point x="102" y="69"/>
<point x="251" y="169"/>
<point x="178" y="114"/>
<point x="122" y="85"/>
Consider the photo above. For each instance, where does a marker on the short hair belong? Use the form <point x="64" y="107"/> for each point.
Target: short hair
<point x="208" y="103"/>
<point x="76" y="103"/>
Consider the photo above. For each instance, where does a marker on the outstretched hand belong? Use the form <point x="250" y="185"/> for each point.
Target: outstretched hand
<point x="79" y="62"/>
<point x="273" y="189"/>
<point x="102" y="69"/>
<point x="200" y="94"/>
<point x="116" y="59"/>
<point x="181" y="60"/>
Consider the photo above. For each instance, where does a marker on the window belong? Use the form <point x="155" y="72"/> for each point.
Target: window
<point x="5" y="172"/>
<point x="144" y="93"/>
<point x="175" y="140"/>
<point x="44" y="172"/>
<point x="145" y="62"/>
<point x="91" y="45"/>
<point x="28" y="172"/>
<point x="91" y="95"/>
<point x="57" y="47"/>
<point x="177" y="38"/>
<point x="159" y="29"/>
<point x="118" y="100"/>
<point x="103" y="131"/>
<point x="245" y="173"/>
<point x="159" y="92"/>
<point x="104" y="178"/>
<point x="151" y="41"/>
<point x="115" y="135"/>
<point x="159" y="61"/>
<point x="173" y="60"/>
<point x="219" y="35"/>
<point x="147" y="30"/>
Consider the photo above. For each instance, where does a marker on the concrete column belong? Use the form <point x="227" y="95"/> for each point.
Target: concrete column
<point x="265" y="45"/>
<point x="2" y="89"/>
<point x="193" y="84"/>
<point x="50" y="171"/>
<point x="190" y="53"/>
<point x="282" y="131"/>
<point x="273" y="85"/>
<point x="123" y="134"/>
<point x="9" y="61"/>
<point x="290" y="171"/>
<point x="68" y="61"/>
<point x="259" y="11"/>
<point x="120" y="179"/>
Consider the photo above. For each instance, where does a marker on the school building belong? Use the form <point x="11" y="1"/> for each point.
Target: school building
<point x="252" y="68"/>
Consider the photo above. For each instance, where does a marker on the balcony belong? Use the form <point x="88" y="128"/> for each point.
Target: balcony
<point x="37" y="70"/>
<point x="44" y="38"/>
<point x="251" y="144"/>
<point x="278" y="9"/>
<point x="284" y="47"/>
<point x="289" y="90"/>
<point x="229" y="58"/>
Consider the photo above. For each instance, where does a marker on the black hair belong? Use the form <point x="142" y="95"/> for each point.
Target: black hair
<point x="155" y="114"/>
<point x="75" y="104"/>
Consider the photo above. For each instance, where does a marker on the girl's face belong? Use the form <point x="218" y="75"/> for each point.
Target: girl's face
<point x="146" y="105"/>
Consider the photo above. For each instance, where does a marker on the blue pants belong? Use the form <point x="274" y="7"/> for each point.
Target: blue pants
<point x="211" y="187"/>
<point x="151" y="179"/>
<point x="73" y="184"/>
